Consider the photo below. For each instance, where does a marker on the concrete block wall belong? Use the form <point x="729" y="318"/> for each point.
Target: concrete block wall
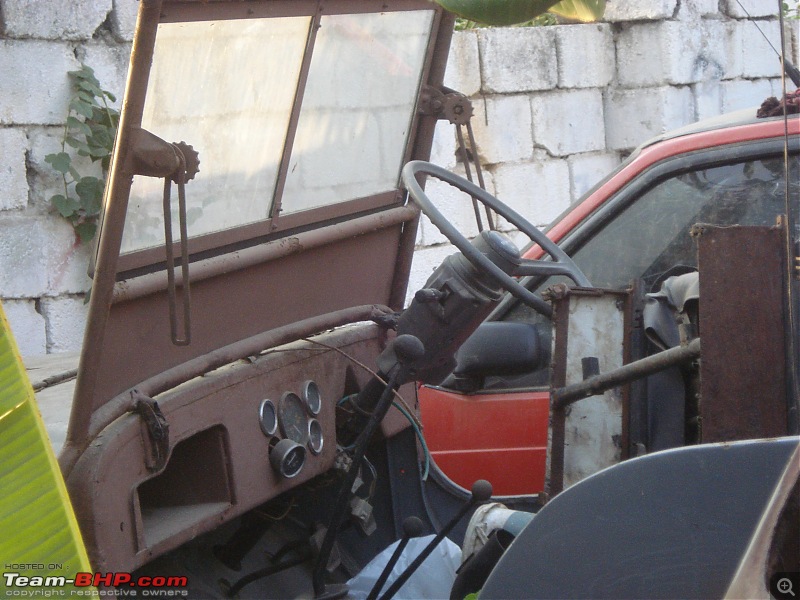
<point x="555" y="110"/>
<point x="43" y="267"/>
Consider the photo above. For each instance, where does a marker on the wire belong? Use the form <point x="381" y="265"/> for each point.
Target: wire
<point x="775" y="50"/>
<point x="374" y="481"/>
<point x="426" y="453"/>
<point x="263" y="513"/>
<point x="371" y="372"/>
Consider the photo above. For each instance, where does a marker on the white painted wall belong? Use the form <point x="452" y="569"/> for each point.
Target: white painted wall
<point x="555" y="109"/>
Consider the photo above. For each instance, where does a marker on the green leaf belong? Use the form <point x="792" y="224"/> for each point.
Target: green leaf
<point x="61" y="162"/>
<point x="81" y="147"/>
<point x="65" y="206"/>
<point x="101" y="137"/>
<point x="74" y="123"/>
<point x="81" y="107"/>
<point x="498" y="12"/>
<point x="36" y="518"/>
<point x="89" y="87"/>
<point x="110" y="96"/>
<point x="90" y="191"/>
<point x="86" y="231"/>
<point x="580" y="10"/>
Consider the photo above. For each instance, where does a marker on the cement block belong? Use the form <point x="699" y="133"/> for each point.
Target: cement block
<point x="585" y="55"/>
<point x="652" y="54"/>
<point x="443" y="149"/>
<point x="742" y="9"/>
<point x="539" y="191"/>
<point x="463" y="65"/>
<point x="23" y="257"/>
<point x="640" y="10"/>
<point x="567" y="122"/>
<point x="110" y="64"/>
<point x="759" y="59"/>
<point x="722" y="46"/>
<point x="67" y="258"/>
<point x="27" y="326"/>
<point x="36" y="89"/>
<point x="45" y="19"/>
<point x="123" y="19"/>
<point x="518" y="59"/>
<point x="691" y="10"/>
<point x="13" y="176"/>
<point x="502" y="127"/>
<point x="707" y="99"/>
<point x="634" y="116"/>
<point x="66" y="320"/>
<point x="41" y="255"/>
<point x="745" y="93"/>
<point x="585" y="170"/>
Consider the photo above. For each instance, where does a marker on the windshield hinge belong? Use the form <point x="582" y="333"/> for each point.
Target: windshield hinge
<point x="456" y="108"/>
<point x="155" y="431"/>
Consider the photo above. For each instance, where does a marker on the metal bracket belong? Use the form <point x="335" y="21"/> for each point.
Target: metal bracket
<point x="456" y="108"/>
<point x="155" y="430"/>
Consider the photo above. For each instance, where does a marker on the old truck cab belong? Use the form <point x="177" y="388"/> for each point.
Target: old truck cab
<point x="251" y="382"/>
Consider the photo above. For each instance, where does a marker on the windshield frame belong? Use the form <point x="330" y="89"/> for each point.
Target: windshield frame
<point x="275" y="225"/>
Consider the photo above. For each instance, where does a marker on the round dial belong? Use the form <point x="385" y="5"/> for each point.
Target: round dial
<point x="315" y="439"/>
<point x="292" y="418"/>
<point x="312" y="397"/>
<point x="268" y="417"/>
<point x="287" y="458"/>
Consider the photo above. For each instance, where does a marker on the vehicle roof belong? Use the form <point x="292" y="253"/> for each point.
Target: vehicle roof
<point x="738" y="118"/>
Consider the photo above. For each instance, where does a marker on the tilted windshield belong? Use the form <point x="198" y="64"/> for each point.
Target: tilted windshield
<point x="230" y="87"/>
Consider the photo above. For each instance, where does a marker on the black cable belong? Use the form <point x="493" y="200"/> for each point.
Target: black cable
<point x="343" y="499"/>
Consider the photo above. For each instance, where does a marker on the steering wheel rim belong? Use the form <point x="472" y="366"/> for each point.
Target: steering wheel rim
<point x="562" y="264"/>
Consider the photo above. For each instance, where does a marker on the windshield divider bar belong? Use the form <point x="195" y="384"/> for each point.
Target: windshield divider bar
<point x="294" y="117"/>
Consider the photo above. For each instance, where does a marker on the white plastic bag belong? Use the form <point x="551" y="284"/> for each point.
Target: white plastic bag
<point x="432" y="580"/>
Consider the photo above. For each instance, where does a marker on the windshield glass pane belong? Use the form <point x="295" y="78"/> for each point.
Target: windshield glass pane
<point x="226" y="88"/>
<point x="357" y="107"/>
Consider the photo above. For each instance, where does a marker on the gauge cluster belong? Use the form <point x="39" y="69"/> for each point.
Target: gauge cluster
<point x="292" y="427"/>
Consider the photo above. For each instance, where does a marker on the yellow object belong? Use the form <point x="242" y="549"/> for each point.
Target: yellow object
<point x="39" y="536"/>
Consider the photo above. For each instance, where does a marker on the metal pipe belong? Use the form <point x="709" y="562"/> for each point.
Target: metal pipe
<point x="570" y="394"/>
<point x="114" y="211"/>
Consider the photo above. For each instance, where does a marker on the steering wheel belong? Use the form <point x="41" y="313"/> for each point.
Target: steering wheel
<point x="561" y="264"/>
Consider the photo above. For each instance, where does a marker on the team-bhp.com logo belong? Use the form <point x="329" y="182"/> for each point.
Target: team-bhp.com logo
<point x="93" y="584"/>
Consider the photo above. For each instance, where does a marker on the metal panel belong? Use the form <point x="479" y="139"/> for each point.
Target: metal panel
<point x="586" y="436"/>
<point x="672" y="524"/>
<point x="742" y="324"/>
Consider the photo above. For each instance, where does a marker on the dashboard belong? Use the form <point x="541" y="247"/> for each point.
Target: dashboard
<point x="238" y="437"/>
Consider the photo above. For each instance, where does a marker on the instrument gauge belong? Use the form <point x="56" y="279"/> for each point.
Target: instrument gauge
<point x="312" y="397"/>
<point x="287" y="458"/>
<point x="315" y="438"/>
<point x="268" y="417"/>
<point x="292" y="418"/>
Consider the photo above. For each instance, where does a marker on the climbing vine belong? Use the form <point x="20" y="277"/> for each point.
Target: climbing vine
<point x="88" y="132"/>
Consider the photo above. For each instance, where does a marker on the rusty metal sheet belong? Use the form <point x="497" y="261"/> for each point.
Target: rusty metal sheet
<point x="742" y="324"/>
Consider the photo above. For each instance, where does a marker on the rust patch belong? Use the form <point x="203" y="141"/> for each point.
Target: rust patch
<point x="742" y="322"/>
